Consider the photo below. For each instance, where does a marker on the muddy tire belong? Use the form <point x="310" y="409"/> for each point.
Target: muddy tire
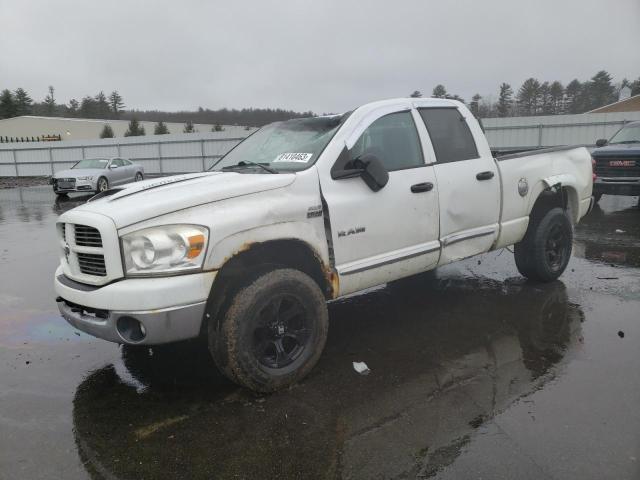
<point x="545" y="250"/>
<point x="272" y="331"/>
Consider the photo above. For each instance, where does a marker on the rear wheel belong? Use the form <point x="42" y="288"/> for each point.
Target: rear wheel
<point x="597" y="197"/>
<point x="138" y="177"/>
<point x="103" y="184"/>
<point x="272" y="332"/>
<point x="544" y="252"/>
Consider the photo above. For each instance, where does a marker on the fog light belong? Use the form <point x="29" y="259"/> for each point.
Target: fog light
<point x="130" y="329"/>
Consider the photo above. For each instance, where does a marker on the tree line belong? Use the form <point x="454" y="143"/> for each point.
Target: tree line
<point x="533" y="97"/>
<point x="102" y="106"/>
<point x="545" y="98"/>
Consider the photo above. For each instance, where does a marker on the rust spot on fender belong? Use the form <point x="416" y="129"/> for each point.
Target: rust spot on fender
<point x="333" y="280"/>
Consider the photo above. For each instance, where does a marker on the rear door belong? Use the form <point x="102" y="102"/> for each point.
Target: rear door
<point x="392" y="233"/>
<point x="129" y="169"/>
<point x="468" y="184"/>
<point x="119" y="175"/>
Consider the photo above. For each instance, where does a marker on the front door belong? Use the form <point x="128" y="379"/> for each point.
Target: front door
<point x="391" y="233"/>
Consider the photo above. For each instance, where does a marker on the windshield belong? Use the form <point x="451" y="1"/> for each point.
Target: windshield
<point x="92" y="163"/>
<point x="284" y="146"/>
<point x="630" y="134"/>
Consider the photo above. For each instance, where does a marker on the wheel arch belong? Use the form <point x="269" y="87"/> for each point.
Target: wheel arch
<point x="556" y="191"/>
<point x="254" y="258"/>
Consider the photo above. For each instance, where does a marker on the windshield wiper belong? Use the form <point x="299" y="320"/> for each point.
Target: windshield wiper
<point x="624" y="141"/>
<point x="245" y="163"/>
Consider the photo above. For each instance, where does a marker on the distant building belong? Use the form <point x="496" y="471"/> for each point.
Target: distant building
<point x="629" y="104"/>
<point x="86" y="128"/>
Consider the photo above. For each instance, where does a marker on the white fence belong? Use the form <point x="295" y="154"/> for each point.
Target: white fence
<point x="554" y="130"/>
<point x="194" y="152"/>
<point x="158" y="154"/>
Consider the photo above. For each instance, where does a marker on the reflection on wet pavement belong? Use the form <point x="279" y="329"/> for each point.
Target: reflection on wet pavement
<point x="474" y="373"/>
<point x="430" y="364"/>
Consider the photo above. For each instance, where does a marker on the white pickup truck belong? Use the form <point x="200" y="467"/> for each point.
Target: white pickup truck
<point x="306" y="211"/>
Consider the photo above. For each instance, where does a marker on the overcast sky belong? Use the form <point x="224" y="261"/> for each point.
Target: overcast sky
<point x="320" y="55"/>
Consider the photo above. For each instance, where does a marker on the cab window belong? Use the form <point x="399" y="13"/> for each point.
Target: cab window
<point x="394" y="140"/>
<point x="450" y="135"/>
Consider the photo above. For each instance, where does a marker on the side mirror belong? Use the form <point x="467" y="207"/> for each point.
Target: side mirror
<point x="368" y="166"/>
<point x="601" y="142"/>
<point x="112" y="166"/>
<point x="373" y="172"/>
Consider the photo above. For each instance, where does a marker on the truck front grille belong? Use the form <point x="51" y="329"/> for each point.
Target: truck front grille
<point x="92" y="264"/>
<point x="617" y="167"/>
<point x="87" y="236"/>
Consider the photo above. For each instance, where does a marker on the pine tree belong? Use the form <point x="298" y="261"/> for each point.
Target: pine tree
<point x="556" y="97"/>
<point x="505" y="99"/>
<point x="188" y="127"/>
<point x="50" y="102"/>
<point x="599" y="91"/>
<point x="73" y="107"/>
<point x="116" y="103"/>
<point x="160" y="128"/>
<point x="7" y="104"/>
<point x="88" y="107"/>
<point x="635" y="87"/>
<point x="135" y="129"/>
<point x="107" y="131"/>
<point x="529" y="96"/>
<point x="474" y="106"/>
<point x="545" y="107"/>
<point x="573" y="96"/>
<point x="439" y="91"/>
<point x="23" y="102"/>
<point x="416" y="94"/>
<point x="102" y="105"/>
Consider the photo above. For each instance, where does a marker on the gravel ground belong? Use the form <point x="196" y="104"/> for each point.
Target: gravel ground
<point x="13" y="182"/>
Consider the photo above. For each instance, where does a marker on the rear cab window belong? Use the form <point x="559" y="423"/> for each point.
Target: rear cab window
<point x="451" y="137"/>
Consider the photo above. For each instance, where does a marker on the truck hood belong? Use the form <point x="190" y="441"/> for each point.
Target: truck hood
<point x="621" y="150"/>
<point x="78" y="172"/>
<point x="159" y="196"/>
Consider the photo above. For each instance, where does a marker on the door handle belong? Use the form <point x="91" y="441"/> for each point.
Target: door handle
<point x="485" y="175"/>
<point x="422" y="187"/>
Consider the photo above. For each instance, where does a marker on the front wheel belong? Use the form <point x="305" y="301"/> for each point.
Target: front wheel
<point x="272" y="332"/>
<point x="544" y="252"/>
<point x="103" y="184"/>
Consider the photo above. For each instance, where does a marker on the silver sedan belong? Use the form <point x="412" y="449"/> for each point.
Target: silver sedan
<point x="96" y="175"/>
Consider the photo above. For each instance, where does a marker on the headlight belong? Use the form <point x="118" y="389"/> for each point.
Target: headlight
<point x="90" y="177"/>
<point x="169" y="249"/>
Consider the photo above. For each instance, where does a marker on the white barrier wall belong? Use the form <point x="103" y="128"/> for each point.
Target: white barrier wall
<point x="194" y="152"/>
<point x="554" y="130"/>
<point x="158" y="154"/>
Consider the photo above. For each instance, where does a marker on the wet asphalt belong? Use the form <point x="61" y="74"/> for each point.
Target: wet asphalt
<point x="475" y="373"/>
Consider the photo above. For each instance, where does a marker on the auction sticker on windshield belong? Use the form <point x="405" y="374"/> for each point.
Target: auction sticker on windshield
<point x="294" y="157"/>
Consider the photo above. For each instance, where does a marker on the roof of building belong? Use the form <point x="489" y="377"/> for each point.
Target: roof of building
<point x="631" y="104"/>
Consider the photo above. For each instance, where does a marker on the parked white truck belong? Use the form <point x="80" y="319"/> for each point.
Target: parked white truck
<point x="302" y="212"/>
